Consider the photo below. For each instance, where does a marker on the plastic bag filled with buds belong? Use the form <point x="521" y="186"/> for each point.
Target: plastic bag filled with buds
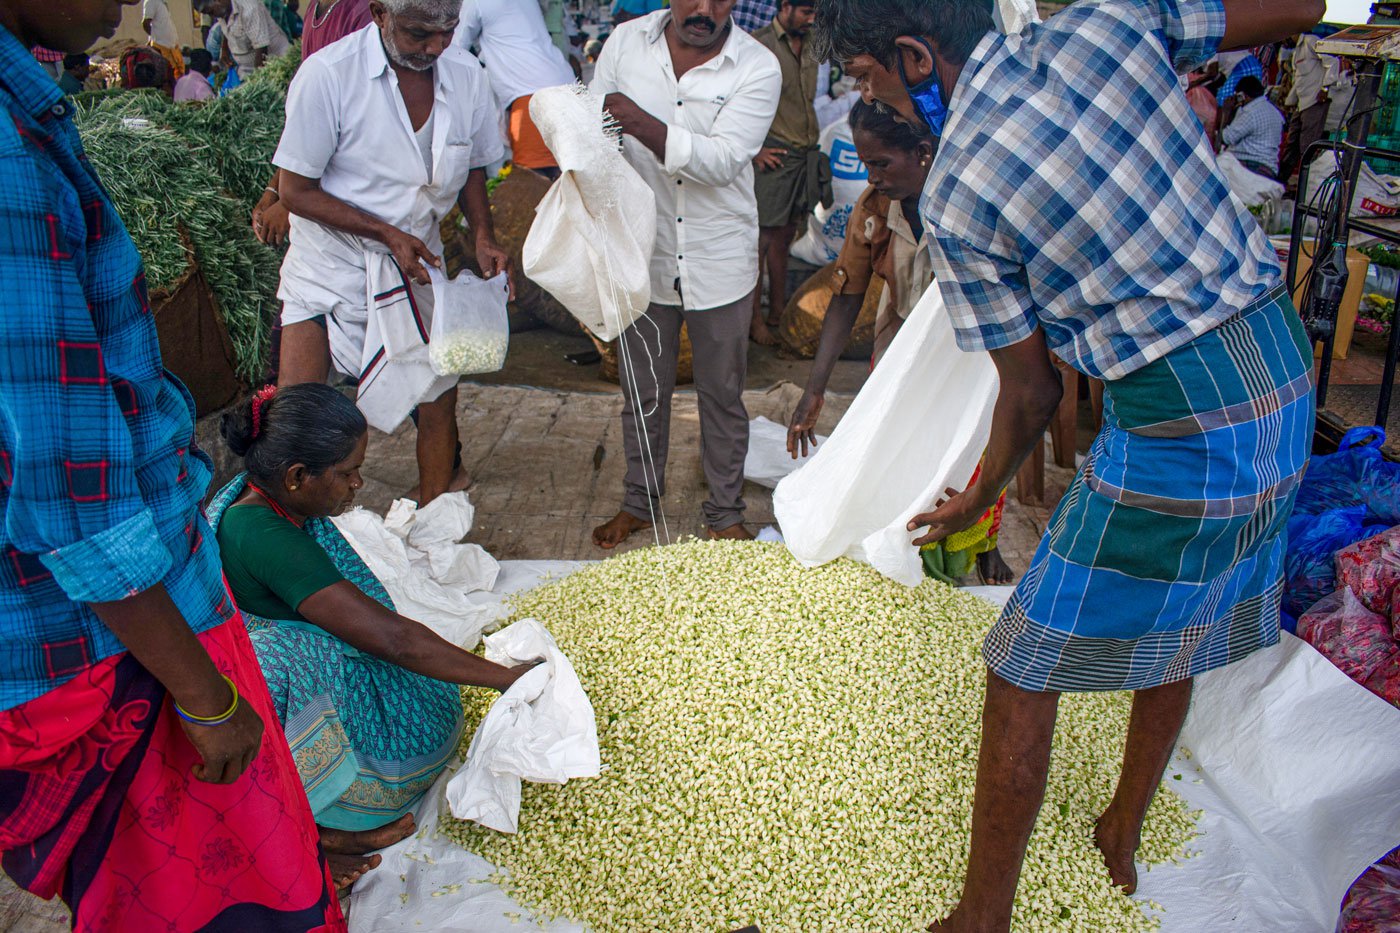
<point x="795" y="749"/>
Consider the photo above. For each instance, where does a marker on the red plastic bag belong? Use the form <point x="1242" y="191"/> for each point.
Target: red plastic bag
<point x="1373" y="903"/>
<point x="1359" y="642"/>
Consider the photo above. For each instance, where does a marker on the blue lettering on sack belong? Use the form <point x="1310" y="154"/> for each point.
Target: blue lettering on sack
<point x="845" y="163"/>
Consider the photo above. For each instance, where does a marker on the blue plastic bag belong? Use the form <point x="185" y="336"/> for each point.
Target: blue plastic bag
<point x="1357" y="474"/>
<point x="1313" y="543"/>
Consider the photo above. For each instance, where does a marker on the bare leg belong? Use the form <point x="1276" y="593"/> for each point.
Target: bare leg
<point x="1152" y="732"/>
<point x="777" y="272"/>
<point x="1017" y="726"/>
<point x="759" y="332"/>
<point x="305" y="354"/>
<point x="437" y="445"/>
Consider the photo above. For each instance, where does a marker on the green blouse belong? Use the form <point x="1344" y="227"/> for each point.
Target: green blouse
<point x="272" y="566"/>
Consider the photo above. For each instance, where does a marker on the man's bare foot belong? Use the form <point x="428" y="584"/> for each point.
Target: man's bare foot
<point x="994" y="570"/>
<point x="1118" y="847"/>
<point x="735" y="532"/>
<point x="761" y="335"/>
<point x="621" y="527"/>
<point x="346" y="842"/>
<point x="347" y="869"/>
<point x="461" y="481"/>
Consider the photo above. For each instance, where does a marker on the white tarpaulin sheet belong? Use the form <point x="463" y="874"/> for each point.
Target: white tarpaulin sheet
<point x="1299" y="784"/>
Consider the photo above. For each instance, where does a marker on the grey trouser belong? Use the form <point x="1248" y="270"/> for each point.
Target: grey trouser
<point x="719" y="338"/>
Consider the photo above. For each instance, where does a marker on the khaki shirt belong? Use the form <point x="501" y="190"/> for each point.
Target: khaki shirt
<point x="879" y="242"/>
<point x="796" y="121"/>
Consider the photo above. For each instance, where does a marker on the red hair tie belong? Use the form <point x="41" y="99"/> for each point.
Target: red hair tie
<point x="261" y="398"/>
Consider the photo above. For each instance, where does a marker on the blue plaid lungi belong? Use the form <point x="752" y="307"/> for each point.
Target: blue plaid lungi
<point x="1165" y="557"/>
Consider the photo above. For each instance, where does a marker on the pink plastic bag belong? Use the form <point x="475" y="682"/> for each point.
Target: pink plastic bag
<point x="1371" y="570"/>
<point x="1359" y="642"/>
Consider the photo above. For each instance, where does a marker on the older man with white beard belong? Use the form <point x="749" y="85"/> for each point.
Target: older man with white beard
<point x="386" y="130"/>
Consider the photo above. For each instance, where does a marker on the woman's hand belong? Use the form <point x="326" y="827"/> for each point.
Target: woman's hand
<point x="226" y="750"/>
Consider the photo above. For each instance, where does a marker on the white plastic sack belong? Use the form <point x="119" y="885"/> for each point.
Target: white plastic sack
<point x="541" y="730"/>
<point x="431" y="577"/>
<point x="471" y="327"/>
<point x="918" y="427"/>
<point x="1377" y="197"/>
<point x="826" y="226"/>
<point x="1250" y="187"/>
<point x="591" y="241"/>
<point x="768" y="460"/>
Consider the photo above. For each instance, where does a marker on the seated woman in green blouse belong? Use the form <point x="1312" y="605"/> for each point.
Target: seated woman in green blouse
<point x="368" y="699"/>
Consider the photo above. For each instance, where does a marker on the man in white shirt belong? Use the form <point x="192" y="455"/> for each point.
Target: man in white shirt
<point x="520" y="58"/>
<point x="1307" y="102"/>
<point x="155" y="19"/>
<point x="694" y="96"/>
<point x="251" y="35"/>
<point x="386" y="130"/>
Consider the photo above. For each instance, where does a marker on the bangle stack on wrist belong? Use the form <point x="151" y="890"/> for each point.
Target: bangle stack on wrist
<point x="218" y="720"/>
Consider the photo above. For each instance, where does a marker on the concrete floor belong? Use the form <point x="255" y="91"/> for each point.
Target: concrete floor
<point x="542" y="439"/>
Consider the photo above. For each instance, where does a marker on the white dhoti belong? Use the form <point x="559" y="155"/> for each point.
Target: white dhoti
<point x="377" y="320"/>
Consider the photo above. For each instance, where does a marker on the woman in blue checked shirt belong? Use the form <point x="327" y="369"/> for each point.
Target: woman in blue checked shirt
<point x="1075" y="206"/>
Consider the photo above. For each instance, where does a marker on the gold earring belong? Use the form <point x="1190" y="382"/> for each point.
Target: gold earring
<point x="294" y="489"/>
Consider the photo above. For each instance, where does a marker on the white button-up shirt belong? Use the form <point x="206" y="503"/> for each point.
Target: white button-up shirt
<point x="516" y="48"/>
<point x="716" y="117"/>
<point x="347" y="126"/>
<point x="250" y="27"/>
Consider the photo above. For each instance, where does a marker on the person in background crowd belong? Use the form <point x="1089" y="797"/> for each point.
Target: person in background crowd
<point x="76" y="68"/>
<point x="286" y="16"/>
<point x="520" y="58"/>
<point x="1341" y="88"/>
<point x="591" y="50"/>
<point x="792" y="174"/>
<point x="250" y="37"/>
<point x="195" y="84"/>
<point x="885" y="237"/>
<point x="330" y="21"/>
<point x="367" y="208"/>
<point x="1202" y="100"/>
<point x="623" y="10"/>
<point x="156" y="21"/>
<point x="1235" y="66"/>
<point x="51" y="61"/>
<point x="1074" y="205"/>
<point x="136" y="779"/>
<point x="1256" y="132"/>
<point x="694" y="97"/>
<point x="753" y="15"/>
<point x="369" y="698"/>
<point x="1307" y="103"/>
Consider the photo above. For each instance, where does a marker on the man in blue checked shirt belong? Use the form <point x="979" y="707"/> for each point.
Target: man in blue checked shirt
<point x="1075" y="206"/>
<point x="131" y="704"/>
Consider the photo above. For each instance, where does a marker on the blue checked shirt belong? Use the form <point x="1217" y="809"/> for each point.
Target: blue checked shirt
<point x="753" y="15"/>
<point x="1255" y="133"/>
<point x="1075" y="191"/>
<point x="1247" y="67"/>
<point x="100" y="484"/>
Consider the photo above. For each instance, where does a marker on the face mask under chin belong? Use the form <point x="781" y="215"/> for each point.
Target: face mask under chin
<point x="927" y="95"/>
